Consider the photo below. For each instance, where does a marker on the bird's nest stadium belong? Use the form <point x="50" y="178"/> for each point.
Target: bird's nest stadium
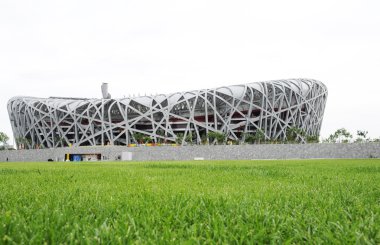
<point x="236" y="111"/>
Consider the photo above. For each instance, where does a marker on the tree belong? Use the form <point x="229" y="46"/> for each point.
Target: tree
<point x="161" y="136"/>
<point x="343" y="135"/>
<point x="204" y="139"/>
<point x="259" y="136"/>
<point x="23" y="143"/>
<point x="179" y="139"/>
<point x="216" y="137"/>
<point x="256" y="138"/>
<point x="147" y="139"/>
<point x="340" y="136"/>
<point x="376" y="140"/>
<point x="211" y="137"/>
<point x="294" y="134"/>
<point x="189" y="138"/>
<point x="362" y="133"/>
<point x="220" y="137"/>
<point x="58" y="141"/>
<point x="249" y="138"/>
<point x="362" y="136"/>
<point x="139" y="137"/>
<point x="3" y="138"/>
<point x="312" y="138"/>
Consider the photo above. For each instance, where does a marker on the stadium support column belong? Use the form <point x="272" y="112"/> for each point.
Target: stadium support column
<point x="102" y="120"/>
<point x="214" y="109"/>
<point x="206" y="114"/>
<point x="124" y="112"/>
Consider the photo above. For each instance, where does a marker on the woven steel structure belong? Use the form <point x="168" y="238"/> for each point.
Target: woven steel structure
<point x="271" y="107"/>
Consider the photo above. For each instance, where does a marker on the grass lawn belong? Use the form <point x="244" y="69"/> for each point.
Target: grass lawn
<point x="295" y="201"/>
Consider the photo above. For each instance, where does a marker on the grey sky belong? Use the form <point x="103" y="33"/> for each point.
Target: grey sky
<point x="68" y="48"/>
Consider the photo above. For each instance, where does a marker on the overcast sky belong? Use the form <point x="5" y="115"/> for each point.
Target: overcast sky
<point x="68" y="48"/>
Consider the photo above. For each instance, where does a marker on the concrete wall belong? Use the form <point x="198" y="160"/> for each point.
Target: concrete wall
<point x="217" y="152"/>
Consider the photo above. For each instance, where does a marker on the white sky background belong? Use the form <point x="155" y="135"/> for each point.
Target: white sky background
<point x="68" y="48"/>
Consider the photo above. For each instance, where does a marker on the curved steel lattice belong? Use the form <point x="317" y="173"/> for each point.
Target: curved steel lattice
<point x="272" y="106"/>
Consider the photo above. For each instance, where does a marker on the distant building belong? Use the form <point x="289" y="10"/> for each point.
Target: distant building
<point x="270" y="107"/>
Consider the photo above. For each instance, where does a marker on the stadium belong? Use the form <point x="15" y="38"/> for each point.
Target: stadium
<point x="270" y="107"/>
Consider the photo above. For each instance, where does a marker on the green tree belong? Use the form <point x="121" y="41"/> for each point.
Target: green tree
<point x="139" y="137"/>
<point x="249" y="138"/>
<point x="295" y="135"/>
<point x="211" y="136"/>
<point x="189" y="138"/>
<point x="259" y="136"/>
<point x="58" y="141"/>
<point x="216" y="137"/>
<point x="3" y="138"/>
<point x="179" y="139"/>
<point x="147" y="139"/>
<point x="161" y="134"/>
<point x="220" y="137"/>
<point x="312" y="138"/>
<point x="343" y="135"/>
<point x="182" y="139"/>
<point x="204" y="139"/>
<point x="361" y="136"/>
<point x="23" y="143"/>
<point x="256" y="138"/>
<point x="340" y="136"/>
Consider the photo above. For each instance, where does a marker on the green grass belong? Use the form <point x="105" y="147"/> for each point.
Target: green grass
<point x="295" y="201"/>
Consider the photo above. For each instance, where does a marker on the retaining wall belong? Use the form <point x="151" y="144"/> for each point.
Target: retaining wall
<point x="214" y="152"/>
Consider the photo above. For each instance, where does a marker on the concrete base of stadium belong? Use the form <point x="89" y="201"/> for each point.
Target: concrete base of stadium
<point x="197" y="152"/>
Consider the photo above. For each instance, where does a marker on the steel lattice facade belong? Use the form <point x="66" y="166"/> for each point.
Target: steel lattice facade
<point x="271" y="107"/>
